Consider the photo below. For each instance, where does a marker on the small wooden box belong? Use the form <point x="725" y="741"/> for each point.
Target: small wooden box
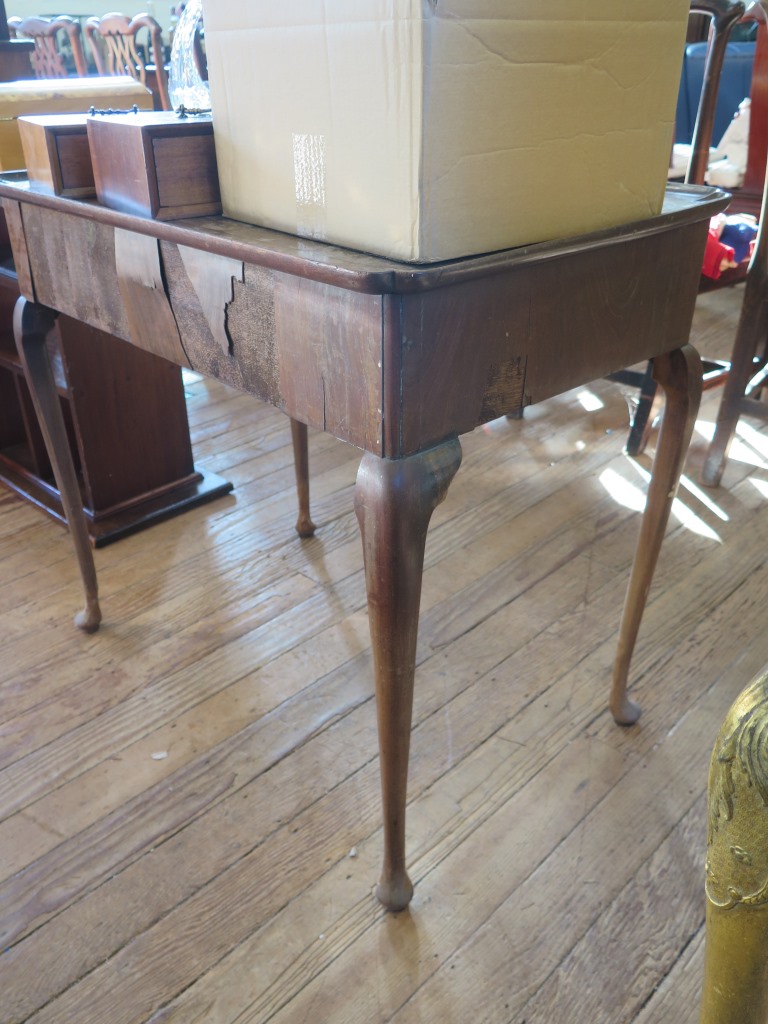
<point x="155" y="164"/>
<point x="59" y="96"/>
<point x="57" y="155"/>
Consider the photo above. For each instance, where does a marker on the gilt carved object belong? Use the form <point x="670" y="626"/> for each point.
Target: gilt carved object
<point x="736" y="964"/>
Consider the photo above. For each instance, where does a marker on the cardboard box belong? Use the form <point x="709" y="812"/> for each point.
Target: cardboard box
<point x="56" y="154"/>
<point x="430" y="129"/>
<point x="62" y="95"/>
<point x="155" y="164"/>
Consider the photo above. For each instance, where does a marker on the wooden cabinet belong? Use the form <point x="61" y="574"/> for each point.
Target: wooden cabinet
<point x="124" y="410"/>
<point x="127" y="423"/>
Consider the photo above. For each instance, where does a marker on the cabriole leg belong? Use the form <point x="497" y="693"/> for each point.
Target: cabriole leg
<point x="394" y="501"/>
<point x="31" y="324"/>
<point x="679" y="375"/>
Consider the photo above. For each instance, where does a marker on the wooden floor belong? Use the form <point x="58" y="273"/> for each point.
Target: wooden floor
<point x="189" y="806"/>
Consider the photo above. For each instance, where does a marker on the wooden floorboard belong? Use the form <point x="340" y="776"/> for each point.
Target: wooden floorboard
<point x="189" y="809"/>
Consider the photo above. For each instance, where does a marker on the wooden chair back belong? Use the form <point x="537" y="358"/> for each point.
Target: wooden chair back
<point x="725" y="14"/>
<point x="752" y="189"/>
<point x="47" y="59"/>
<point x="116" y="44"/>
<point x="749" y="197"/>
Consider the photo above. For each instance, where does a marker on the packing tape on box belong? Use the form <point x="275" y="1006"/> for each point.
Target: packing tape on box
<point x="309" y="184"/>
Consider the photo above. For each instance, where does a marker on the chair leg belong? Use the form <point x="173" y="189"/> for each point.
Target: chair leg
<point x="642" y="421"/>
<point x="735" y="989"/>
<point x="750" y="335"/>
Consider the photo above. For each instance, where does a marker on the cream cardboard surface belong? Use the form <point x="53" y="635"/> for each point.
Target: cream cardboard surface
<point x="60" y="95"/>
<point x="430" y="129"/>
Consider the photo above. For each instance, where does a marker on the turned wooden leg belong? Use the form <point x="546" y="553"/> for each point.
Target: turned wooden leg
<point x="735" y="989"/>
<point x="679" y="376"/>
<point x="751" y="333"/>
<point x="304" y="525"/>
<point x="32" y="323"/>
<point x="394" y="501"/>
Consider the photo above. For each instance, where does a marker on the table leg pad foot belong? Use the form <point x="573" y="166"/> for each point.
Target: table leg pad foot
<point x="625" y="711"/>
<point x="89" y="618"/>
<point x="395" y="892"/>
<point x="305" y="527"/>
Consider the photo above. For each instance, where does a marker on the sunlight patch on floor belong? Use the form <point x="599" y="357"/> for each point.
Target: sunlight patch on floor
<point x="704" y="498"/>
<point x="625" y="493"/>
<point x="705" y="428"/>
<point x="622" y="491"/>
<point x="748" y="446"/>
<point x="693" y="489"/>
<point x="754" y="438"/>
<point x="684" y="515"/>
<point x="589" y="400"/>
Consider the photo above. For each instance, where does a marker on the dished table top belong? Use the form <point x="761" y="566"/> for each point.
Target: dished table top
<point x="391" y="357"/>
<point x="359" y="271"/>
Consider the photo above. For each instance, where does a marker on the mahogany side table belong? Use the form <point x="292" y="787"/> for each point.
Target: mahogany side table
<point x="394" y="358"/>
